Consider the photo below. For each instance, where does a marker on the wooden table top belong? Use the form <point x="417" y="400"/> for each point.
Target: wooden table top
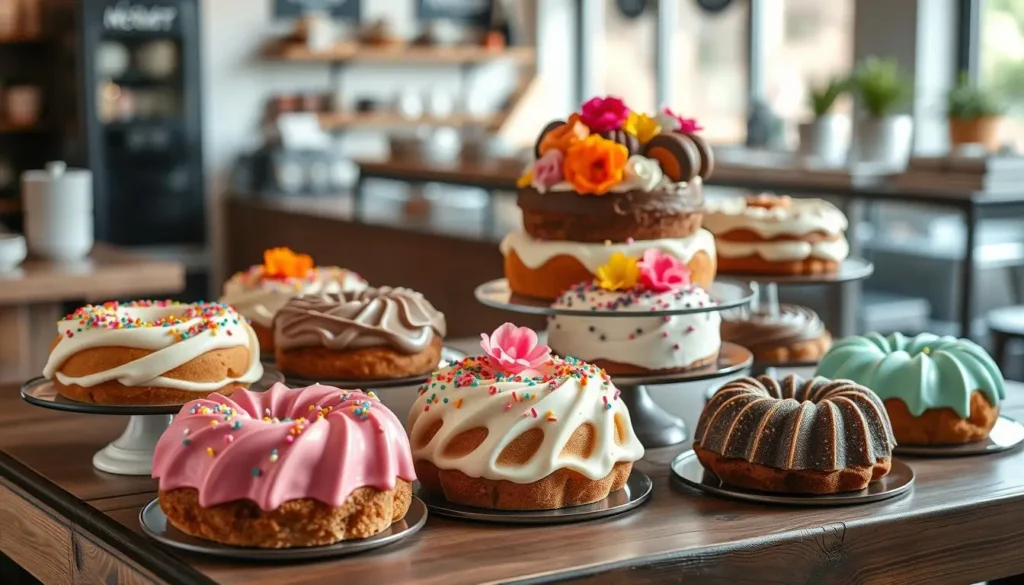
<point x="105" y="274"/>
<point x="494" y="174"/>
<point x="960" y="524"/>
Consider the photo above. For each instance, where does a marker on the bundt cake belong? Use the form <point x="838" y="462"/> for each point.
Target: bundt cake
<point x="938" y="390"/>
<point x="816" y="436"/>
<point x="284" y="468"/>
<point x="519" y="429"/>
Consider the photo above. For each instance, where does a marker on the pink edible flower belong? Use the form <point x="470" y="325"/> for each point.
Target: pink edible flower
<point x="662" y="272"/>
<point x="547" y="171"/>
<point x="604" y="114"/>
<point x="685" y="125"/>
<point x="514" y="349"/>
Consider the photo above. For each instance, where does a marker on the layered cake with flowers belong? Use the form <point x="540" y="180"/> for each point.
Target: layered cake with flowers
<point x="609" y="180"/>
<point x="261" y="291"/>
<point x="517" y="428"/>
<point x="638" y="344"/>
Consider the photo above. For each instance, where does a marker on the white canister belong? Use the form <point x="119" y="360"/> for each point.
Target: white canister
<point x="58" y="210"/>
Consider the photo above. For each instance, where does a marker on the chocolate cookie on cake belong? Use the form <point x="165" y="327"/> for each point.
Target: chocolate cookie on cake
<point x="259" y="292"/>
<point x="609" y="180"/>
<point x="769" y="234"/>
<point x="375" y="333"/>
<point x="638" y="343"/>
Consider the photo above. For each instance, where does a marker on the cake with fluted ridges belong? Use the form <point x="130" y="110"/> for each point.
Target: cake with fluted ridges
<point x="816" y="436"/>
<point x="938" y="390"/>
<point x="519" y="429"/>
<point x="609" y="180"/>
<point x="284" y="468"/>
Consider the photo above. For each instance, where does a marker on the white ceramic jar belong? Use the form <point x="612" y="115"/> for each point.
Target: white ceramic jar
<point x="58" y="208"/>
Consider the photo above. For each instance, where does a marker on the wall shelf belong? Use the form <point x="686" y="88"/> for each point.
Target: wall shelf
<point x="399" y="53"/>
<point x="343" y="120"/>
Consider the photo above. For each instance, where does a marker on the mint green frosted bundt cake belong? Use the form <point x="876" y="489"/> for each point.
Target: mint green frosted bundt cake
<point x="938" y="390"/>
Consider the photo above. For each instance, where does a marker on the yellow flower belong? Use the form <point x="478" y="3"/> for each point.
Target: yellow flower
<point x="526" y="180"/>
<point x="642" y="126"/>
<point x="620" y="273"/>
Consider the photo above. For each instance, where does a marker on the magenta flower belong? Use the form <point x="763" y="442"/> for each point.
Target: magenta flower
<point x="604" y="114"/>
<point x="673" y="121"/>
<point x="514" y="349"/>
<point x="547" y="171"/>
<point x="662" y="272"/>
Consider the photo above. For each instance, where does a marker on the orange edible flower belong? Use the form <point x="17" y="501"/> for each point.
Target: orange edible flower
<point x="564" y="136"/>
<point x="595" y="165"/>
<point x="283" y="263"/>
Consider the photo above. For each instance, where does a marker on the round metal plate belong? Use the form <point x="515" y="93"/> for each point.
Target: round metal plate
<point x="687" y="469"/>
<point x="851" y="269"/>
<point x="637" y="490"/>
<point x="1006" y="434"/>
<point x="43" y="392"/>
<point x="155" y="525"/>
<point x="447" y="355"/>
<point x="732" y="358"/>
<point x="497" y="294"/>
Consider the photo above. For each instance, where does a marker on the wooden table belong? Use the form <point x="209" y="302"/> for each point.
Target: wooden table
<point x="69" y="523"/>
<point x="32" y="298"/>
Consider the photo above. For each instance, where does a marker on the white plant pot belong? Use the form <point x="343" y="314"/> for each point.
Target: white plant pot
<point x="826" y="140"/>
<point x="883" y="141"/>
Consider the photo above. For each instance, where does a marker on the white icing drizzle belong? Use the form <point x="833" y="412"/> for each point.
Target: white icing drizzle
<point x="535" y="253"/>
<point x="648" y="342"/>
<point x="786" y="250"/>
<point x="259" y="299"/>
<point x="506" y="413"/>
<point x="168" y="352"/>
<point x="801" y="216"/>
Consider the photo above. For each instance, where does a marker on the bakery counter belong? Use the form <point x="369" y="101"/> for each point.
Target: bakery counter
<point x="68" y="523"/>
<point x="435" y="249"/>
<point x="32" y="299"/>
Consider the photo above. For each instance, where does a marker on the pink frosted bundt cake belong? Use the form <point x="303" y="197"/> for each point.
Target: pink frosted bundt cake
<point x="816" y="436"/>
<point x="284" y="468"/>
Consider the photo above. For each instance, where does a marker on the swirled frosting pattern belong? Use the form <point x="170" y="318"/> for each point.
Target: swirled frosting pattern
<point x="399" y="318"/>
<point x="792" y="324"/>
<point x="259" y="298"/>
<point x="280" y="445"/>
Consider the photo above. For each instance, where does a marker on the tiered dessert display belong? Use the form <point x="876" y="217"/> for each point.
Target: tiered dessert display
<point x="144" y="360"/>
<point x="613" y="250"/>
<point x="770" y="241"/>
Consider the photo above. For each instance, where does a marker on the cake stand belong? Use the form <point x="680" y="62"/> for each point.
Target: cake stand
<point x="766" y="295"/>
<point x="653" y="425"/>
<point x="132" y="452"/>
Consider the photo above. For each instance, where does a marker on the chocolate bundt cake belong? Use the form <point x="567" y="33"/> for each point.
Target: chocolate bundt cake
<point x="815" y="436"/>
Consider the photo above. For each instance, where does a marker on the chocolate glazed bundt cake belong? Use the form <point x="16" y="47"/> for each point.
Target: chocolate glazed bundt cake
<point x="815" y="436"/>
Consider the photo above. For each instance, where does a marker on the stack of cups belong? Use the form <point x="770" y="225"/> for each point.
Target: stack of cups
<point x="58" y="212"/>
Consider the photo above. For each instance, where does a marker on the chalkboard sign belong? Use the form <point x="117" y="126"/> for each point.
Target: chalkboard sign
<point x="477" y="12"/>
<point x="336" y="8"/>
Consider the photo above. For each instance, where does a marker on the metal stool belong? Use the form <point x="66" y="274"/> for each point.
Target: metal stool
<point x="1005" y="324"/>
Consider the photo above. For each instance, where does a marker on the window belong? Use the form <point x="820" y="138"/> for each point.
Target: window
<point x="1002" y="59"/>
<point x="629" y="56"/>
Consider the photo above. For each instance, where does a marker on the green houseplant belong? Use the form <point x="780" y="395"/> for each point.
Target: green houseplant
<point x="826" y="138"/>
<point x="975" y="115"/>
<point x="884" y="132"/>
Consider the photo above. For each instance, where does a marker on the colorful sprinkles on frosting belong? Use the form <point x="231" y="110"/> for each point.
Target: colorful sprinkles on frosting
<point x="590" y="293"/>
<point x="193" y="319"/>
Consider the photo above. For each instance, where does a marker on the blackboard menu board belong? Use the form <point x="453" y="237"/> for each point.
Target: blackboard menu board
<point x="475" y="12"/>
<point x="336" y="8"/>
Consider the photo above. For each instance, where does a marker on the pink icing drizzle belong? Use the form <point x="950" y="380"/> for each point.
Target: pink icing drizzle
<point x="357" y="443"/>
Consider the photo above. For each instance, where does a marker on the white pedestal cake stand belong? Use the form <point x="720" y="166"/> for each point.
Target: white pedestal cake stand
<point x="766" y="295"/>
<point x="654" y="426"/>
<point x="132" y="452"/>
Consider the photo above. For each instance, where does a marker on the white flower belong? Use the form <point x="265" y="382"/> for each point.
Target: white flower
<point x="643" y="173"/>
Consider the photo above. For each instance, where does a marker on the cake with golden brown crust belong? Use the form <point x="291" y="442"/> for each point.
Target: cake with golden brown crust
<point x="284" y="468"/>
<point x="375" y="333"/>
<point x="938" y="390"/>
<point x="816" y="436"/>
<point x="152" y="353"/>
<point x="259" y="292"/>
<point x="518" y="429"/>
<point x="794" y="334"/>
<point x="768" y="234"/>
<point x="609" y="180"/>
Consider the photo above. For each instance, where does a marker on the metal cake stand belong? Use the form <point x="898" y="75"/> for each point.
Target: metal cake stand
<point x="653" y="425"/>
<point x="132" y="452"/>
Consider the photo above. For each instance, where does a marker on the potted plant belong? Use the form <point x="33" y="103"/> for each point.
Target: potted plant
<point x="975" y="115"/>
<point x="884" y="131"/>
<point x="827" y="137"/>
